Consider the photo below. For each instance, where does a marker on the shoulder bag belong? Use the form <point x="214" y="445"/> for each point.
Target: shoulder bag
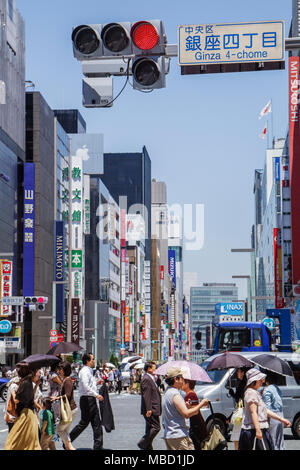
<point x="11" y="411"/>
<point x="254" y="444"/>
<point x="65" y="410"/>
<point x="215" y="439"/>
<point x="237" y="415"/>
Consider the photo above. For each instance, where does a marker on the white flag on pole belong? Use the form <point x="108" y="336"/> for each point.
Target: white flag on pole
<point x="263" y="134"/>
<point x="266" y="109"/>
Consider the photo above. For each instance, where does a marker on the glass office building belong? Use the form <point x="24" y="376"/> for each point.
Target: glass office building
<point x="202" y="311"/>
<point x="129" y="175"/>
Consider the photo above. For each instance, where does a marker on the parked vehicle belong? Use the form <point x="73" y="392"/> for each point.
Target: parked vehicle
<point x="240" y="336"/>
<point x="3" y="388"/>
<point x="223" y="404"/>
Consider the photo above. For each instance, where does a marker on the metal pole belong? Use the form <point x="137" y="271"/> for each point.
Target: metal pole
<point x="253" y="285"/>
<point x="69" y="316"/>
<point x="53" y="305"/>
<point x="96" y="332"/>
<point x="249" y="298"/>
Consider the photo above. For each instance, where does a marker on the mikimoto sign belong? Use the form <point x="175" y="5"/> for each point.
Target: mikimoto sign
<point x="231" y="43"/>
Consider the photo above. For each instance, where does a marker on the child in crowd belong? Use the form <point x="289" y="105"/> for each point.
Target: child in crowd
<point x="47" y="424"/>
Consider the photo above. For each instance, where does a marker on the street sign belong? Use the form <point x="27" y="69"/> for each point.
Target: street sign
<point x="5" y="326"/>
<point x="12" y="301"/>
<point x="53" y="344"/>
<point x="53" y="332"/>
<point x="53" y="339"/>
<point x="231" y="43"/>
<point x="296" y="290"/>
<point x="77" y="259"/>
<point x="269" y="323"/>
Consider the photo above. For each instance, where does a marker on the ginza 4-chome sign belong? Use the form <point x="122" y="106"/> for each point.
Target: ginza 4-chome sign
<point x="231" y="43"/>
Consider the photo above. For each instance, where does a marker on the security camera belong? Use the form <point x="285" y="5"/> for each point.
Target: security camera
<point x="97" y="92"/>
<point x="117" y="66"/>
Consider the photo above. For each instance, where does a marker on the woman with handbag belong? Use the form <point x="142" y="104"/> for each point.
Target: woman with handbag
<point x="24" y="433"/>
<point x="67" y="398"/>
<point x="237" y="415"/>
<point x="55" y="383"/>
<point x="198" y="431"/>
<point x="255" y="432"/>
<point x="10" y="405"/>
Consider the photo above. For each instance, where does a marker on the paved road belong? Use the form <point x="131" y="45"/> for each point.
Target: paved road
<point x="129" y="427"/>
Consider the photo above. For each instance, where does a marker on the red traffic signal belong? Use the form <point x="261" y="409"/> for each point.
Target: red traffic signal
<point x="144" y="35"/>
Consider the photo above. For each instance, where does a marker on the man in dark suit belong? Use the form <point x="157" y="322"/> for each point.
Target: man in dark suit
<point x="150" y="406"/>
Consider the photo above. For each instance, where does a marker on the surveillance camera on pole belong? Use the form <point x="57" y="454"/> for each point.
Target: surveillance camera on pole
<point x="97" y="92"/>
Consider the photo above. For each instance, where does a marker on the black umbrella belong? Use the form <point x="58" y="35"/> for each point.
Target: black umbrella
<point x="64" y="348"/>
<point x="35" y="361"/>
<point x="229" y="360"/>
<point x="273" y="363"/>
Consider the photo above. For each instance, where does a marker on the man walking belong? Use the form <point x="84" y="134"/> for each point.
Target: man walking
<point x="150" y="406"/>
<point x="88" y="403"/>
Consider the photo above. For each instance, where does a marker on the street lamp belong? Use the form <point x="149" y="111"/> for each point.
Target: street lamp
<point x="252" y="281"/>
<point x="249" y="292"/>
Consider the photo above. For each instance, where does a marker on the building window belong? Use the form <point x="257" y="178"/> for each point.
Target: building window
<point x="11" y="9"/>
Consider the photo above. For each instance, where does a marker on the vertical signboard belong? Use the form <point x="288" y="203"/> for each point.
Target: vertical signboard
<point x="279" y="301"/>
<point x="87" y="205"/>
<point x="172" y="265"/>
<point x="294" y="163"/>
<point x="28" y="229"/>
<point x="6" y="268"/>
<point x="59" y="269"/>
<point x="75" y="317"/>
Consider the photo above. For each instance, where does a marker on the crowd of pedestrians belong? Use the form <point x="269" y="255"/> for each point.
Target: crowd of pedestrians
<point x="38" y="422"/>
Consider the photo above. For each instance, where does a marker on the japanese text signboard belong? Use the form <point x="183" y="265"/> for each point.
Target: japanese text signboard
<point x="29" y="229"/>
<point x="231" y="43"/>
<point x="75" y="320"/>
<point x="6" y="268"/>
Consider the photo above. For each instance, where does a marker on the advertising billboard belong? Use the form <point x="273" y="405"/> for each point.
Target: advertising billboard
<point x="6" y="279"/>
<point x="279" y="300"/>
<point x="230" y="311"/>
<point x="294" y="135"/>
<point x="29" y="229"/>
<point x="59" y="269"/>
<point x="172" y="265"/>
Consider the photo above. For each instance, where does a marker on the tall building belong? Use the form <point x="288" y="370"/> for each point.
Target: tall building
<point x="12" y="131"/>
<point x="267" y="231"/>
<point x="159" y="228"/>
<point x="128" y="175"/>
<point x="202" y="311"/>
<point x="12" y="154"/>
<point x="38" y="237"/>
<point x="175" y="253"/>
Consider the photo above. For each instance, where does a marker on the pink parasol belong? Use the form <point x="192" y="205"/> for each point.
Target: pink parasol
<point x="190" y="370"/>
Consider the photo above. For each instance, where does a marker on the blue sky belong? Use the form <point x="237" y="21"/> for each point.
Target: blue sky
<point x="201" y="132"/>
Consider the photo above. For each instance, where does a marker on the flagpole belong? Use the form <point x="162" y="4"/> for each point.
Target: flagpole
<point x="272" y="124"/>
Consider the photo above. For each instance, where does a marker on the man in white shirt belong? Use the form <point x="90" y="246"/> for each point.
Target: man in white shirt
<point x="88" y="403"/>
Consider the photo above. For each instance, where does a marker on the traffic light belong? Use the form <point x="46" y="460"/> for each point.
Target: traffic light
<point x="41" y="303"/>
<point x="36" y="302"/>
<point x="198" y="335"/>
<point x="149" y="73"/>
<point x="137" y="49"/>
<point x="148" y="37"/>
